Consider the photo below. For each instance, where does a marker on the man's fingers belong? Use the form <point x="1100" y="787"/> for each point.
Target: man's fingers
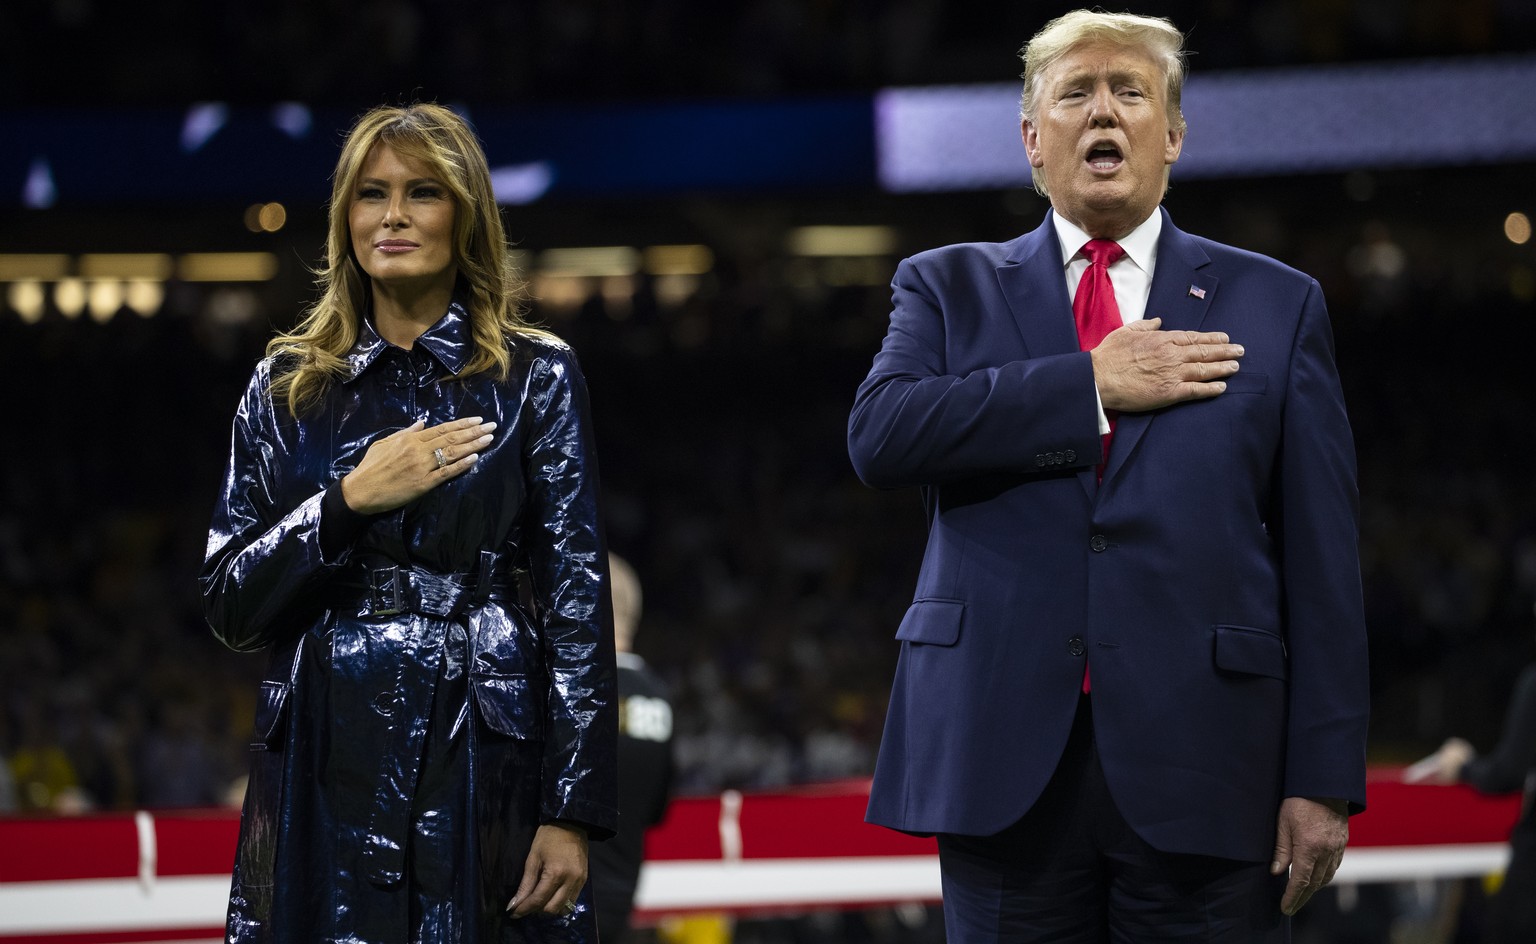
<point x="1201" y="371"/>
<point x="1140" y="367"/>
<point x="1209" y="353"/>
<point x="1308" y="875"/>
<point x="1299" y="889"/>
<point x="1190" y="338"/>
<point x="1301" y="884"/>
<point x="1202" y="379"/>
<point x="1190" y="390"/>
<point x="1309" y="840"/>
<point x="1281" y="860"/>
<point x="1327" y="876"/>
<point x="1329" y="867"/>
<point x="1221" y="352"/>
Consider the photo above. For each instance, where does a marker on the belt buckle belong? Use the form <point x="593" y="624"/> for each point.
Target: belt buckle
<point x="386" y="591"/>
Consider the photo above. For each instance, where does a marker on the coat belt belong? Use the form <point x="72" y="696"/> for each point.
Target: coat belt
<point x="388" y="589"/>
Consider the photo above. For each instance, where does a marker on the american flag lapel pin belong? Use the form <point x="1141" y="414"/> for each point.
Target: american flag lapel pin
<point x="1197" y="291"/>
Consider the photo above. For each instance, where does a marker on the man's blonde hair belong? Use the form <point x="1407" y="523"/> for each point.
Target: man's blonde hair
<point x="1154" y="34"/>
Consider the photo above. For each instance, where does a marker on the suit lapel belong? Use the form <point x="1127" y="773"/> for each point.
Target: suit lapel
<point x="1181" y="295"/>
<point x="1031" y="280"/>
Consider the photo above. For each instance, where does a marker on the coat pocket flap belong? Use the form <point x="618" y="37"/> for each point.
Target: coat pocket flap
<point x="510" y="704"/>
<point x="935" y="622"/>
<point x="271" y="712"/>
<point x="1247" y="381"/>
<point x="1251" y="651"/>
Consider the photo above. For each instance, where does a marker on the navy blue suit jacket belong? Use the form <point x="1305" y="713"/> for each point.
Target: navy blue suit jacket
<point x="1211" y="579"/>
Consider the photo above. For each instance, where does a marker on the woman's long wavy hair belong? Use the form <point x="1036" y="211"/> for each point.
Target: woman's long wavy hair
<point x="488" y="284"/>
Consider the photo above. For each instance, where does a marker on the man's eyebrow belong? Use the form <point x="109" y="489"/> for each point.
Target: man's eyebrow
<point x="1088" y="75"/>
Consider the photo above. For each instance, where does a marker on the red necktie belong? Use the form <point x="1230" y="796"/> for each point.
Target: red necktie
<point x="1095" y="310"/>
<point x="1096" y="313"/>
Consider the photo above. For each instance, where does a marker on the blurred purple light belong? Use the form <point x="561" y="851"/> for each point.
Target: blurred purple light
<point x="1241" y="124"/>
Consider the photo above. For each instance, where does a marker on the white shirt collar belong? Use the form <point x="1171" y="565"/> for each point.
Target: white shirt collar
<point x="1140" y="244"/>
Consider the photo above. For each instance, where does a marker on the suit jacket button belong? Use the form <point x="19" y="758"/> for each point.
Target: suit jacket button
<point x="1075" y="646"/>
<point x="1098" y="542"/>
<point x="1071" y="455"/>
<point x="1040" y="460"/>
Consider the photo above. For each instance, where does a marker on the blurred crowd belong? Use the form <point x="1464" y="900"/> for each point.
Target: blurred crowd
<point x="773" y="579"/>
<point x="562" y="50"/>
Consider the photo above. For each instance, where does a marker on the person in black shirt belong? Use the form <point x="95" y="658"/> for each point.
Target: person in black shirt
<point x="645" y="763"/>
<point x="1509" y="767"/>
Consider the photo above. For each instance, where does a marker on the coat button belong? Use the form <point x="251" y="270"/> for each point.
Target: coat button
<point x="1075" y="646"/>
<point x="1098" y="542"/>
<point x="384" y="703"/>
<point x="1071" y="455"/>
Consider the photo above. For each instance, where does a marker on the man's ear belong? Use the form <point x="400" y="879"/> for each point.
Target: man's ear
<point x="1032" y="143"/>
<point x="1175" y="145"/>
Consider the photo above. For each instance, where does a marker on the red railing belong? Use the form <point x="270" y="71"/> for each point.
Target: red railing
<point x="163" y="876"/>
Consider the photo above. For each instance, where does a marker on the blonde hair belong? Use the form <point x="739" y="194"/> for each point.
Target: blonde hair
<point x="1157" y="35"/>
<point x="488" y="283"/>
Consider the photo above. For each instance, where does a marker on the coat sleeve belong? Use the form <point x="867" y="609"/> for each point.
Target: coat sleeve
<point x="261" y="558"/>
<point x="568" y="564"/>
<point x="1506" y="768"/>
<point x="918" y="421"/>
<point x="1318" y="531"/>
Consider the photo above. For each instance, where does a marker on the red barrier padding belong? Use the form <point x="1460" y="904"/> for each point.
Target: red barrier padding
<point x="196" y="842"/>
<point x="118" y="937"/>
<point x="1404" y="814"/>
<point x="811" y="822"/>
<point x="691" y="830"/>
<point x="41" y="850"/>
<point x="817" y="824"/>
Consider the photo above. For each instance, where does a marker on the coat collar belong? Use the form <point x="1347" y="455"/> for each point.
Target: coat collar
<point x="449" y="341"/>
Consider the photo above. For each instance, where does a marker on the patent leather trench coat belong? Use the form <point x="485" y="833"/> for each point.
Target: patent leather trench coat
<point x="422" y="717"/>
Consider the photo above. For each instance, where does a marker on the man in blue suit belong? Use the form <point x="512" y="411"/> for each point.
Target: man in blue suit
<point x="1131" y="699"/>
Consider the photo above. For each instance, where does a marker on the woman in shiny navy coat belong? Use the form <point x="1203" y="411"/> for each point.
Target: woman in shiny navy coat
<point x="431" y="754"/>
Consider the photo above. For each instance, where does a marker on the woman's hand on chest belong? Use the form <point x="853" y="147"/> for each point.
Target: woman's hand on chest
<point x="405" y="465"/>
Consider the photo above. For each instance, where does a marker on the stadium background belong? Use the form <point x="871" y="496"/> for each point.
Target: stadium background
<point x="698" y="196"/>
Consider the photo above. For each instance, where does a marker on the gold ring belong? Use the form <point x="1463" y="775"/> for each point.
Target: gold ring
<point x="442" y="460"/>
<point x="570" y="907"/>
